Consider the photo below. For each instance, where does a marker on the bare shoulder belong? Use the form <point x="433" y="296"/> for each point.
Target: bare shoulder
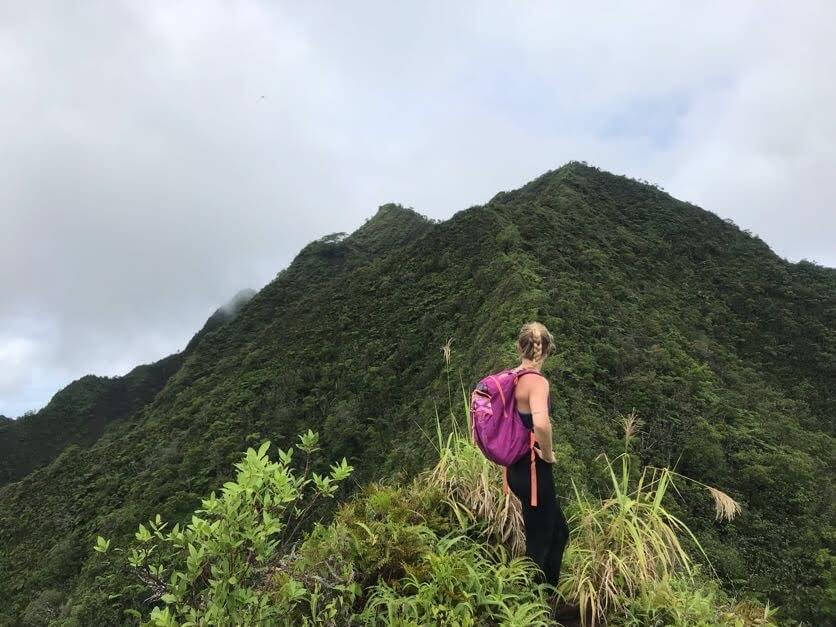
<point x="532" y="383"/>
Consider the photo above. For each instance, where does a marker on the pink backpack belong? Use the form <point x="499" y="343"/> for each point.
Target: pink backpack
<point x="497" y="428"/>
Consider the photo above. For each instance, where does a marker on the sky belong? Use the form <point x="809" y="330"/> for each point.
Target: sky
<point x="158" y="156"/>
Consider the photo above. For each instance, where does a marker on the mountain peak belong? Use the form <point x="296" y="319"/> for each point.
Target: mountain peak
<point x="397" y="209"/>
<point x="550" y="178"/>
<point x="391" y="224"/>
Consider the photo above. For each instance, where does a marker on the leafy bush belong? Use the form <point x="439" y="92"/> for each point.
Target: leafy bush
<point x="43" y="609"/>
<point x="217" y="569"/>
<point x="431" y="552"/>
<point x="236" y="562"/>
<point x="375" y="536"/>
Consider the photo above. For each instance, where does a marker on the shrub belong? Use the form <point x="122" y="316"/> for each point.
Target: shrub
<point x="377" y="537"/>
<point x="438" y="551"/>
<point x="218" y="569"/>
<point x="681" y="602"/>
<point x="461" y="582"/>
<point x="44" y="608"/>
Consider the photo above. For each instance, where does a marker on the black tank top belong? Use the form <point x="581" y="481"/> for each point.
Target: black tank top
<point x="529" y="424"/>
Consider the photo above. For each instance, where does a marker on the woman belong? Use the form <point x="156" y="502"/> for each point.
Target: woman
<point x="546" y="531"/>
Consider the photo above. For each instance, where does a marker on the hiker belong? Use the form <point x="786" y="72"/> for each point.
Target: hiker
<point x="546" y="531"/>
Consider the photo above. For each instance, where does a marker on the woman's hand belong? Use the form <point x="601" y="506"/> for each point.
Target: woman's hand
<point x="541" y="456"/>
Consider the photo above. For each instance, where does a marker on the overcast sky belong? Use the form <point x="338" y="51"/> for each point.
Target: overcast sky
<point x="156" y="157"/>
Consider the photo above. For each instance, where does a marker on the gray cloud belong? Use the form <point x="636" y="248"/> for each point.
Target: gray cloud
<point x="157" y="157"/>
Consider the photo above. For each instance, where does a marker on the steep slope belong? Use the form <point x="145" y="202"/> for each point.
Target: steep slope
<point x="80" y="413"/>
<point x="724" y="349"/>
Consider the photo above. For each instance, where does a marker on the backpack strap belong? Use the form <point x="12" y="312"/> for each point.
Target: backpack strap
<point x="524" y="371"/>
<point x="531" y="441"/>
<point x="502" y="395"/>
<point x="533" y="471"/>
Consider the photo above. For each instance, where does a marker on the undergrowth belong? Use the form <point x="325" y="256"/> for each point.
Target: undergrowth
<point x="446" y="549"/>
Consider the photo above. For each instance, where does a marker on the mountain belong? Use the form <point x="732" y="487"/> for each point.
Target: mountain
<point x="80" y="413"/>
<point x="724" y="350"/>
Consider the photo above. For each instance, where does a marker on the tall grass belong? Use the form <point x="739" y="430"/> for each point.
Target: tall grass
<point x="625" y="547"/>
<point x="472" y="486"/>
<point x="626" y="541"/>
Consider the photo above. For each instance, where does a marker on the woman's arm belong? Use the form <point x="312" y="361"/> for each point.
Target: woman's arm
<point x="539" y="401"/>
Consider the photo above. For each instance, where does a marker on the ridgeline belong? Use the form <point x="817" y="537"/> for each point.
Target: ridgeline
<point x="725" y="350"/>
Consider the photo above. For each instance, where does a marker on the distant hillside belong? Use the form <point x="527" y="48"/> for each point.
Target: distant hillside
<point x="80" y="413"/>
<point x="725" y="350"/>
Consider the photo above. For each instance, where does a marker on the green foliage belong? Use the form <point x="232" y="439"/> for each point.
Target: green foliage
<point x="405" y="555"/>
<point x="461" y="583"/>
<point x="389" y="555"/>
<point x="376" y="538"/>
<point x="367" y="542"/>
<point x="680" y="602"/>
<point x="44" y="608"/>
<point x="216" y="569"/>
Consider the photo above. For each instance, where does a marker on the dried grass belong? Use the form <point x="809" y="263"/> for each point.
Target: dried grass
<point x="472" y="486"/>
<point x="447" y="349"/>
<point x="725" y="507"/>
<point x="632" y="424"/>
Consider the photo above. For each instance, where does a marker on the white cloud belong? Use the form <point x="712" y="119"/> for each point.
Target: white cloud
<point x="157" y="157"/>
<point x="15" y="353"/>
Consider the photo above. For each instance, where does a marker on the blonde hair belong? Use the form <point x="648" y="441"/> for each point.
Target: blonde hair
<point x="534" y="342"/>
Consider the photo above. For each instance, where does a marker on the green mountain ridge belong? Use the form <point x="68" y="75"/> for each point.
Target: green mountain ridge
<point x="79" y="413"/>
<point x="724" y="349"/>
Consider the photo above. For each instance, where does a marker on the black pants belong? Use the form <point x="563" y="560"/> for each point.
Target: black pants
<point x="546" y="531"/>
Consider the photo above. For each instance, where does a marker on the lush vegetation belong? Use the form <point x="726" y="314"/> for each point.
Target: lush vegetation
<point x="77" y="415"/>
<point x="725" y="350"/>
<point x="430" y="553"/>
